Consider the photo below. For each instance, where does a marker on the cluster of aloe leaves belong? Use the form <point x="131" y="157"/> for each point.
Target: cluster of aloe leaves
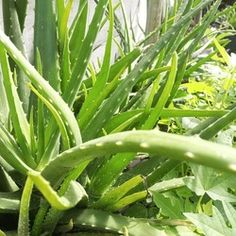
<point x="70" y="132"/>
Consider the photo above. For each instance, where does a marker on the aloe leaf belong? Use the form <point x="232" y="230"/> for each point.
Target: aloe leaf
<point x="45" y="40"/>
<point x="32" y="134"/>
<point x="90" y="104"/>
<point x="121" y="120"/>
<point x="23" y="222"/>
<point x="9" y="202"/>
<point x="63" y="20"/>
<point x="114" y="195"/>
<point x="7" y="184"/>
<point x="218" y="125"/>
<point x="73" y="195"/>
<point x="113" y="222"/>
<point x="4" y="109"/>
<point x="98" y="182"/>
<point x="65" y="64"/>
<point x="167" y="185"/>
<point x="13" y="30"/>
<point x="65" y="138"/>
<point x="40" y="116"/>
<point x="54" y="215"/>
<point x="2" y="233"/>
<point x="127" y="200"/>
<point x="118" y="96"/>
<point x="18" y="116"/>
<point x="79" y="69"/>
<point x="7" y="152"/>
<point x="21" y="7"/>
<point x="77" y="30"/>
<point x="45" y="89"/>
<point x="156" y="112"/>
<point x="171" y="146"/>
<point x="198" y="33"/>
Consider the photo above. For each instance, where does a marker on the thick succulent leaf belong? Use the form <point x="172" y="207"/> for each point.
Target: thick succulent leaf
<point x="6" y="182"/>
<point x="111" y="105"/>
<point x="9" y="202"/>
<point x="77" y="30"/>
<point x="14" y="31"/>
<point x="79" y="69"/>
<point x="21" y="7"/>
<point x="159" y="143"/>
<point x="44" y="88"/>
<point x="60" y="122"/>
<point x="218" y="125"/>
<point x="127" y="200"/>
<point x="117" y="193"/>
<point x="104" y="221"/>
<point x="167" y="185"/>
<point x="45" y="40"/>
<point x="73" y="195"/>
<point x="156" y="112"/>
<point x="91" y="102"/>
<point x="19" y="121"/>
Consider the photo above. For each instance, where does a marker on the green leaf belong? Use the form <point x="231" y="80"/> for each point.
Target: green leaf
<point x="155" y="142"/>
<point x="45" y="40"/>
<point x="167" y="185"/>
<point x="73" y="195"/>
<point x="117" y="193"/>
<point x="156" y="112"/>
<point x="113" y="222"/>
<point x="46" y="90"/>
<point x="211" y="182"/>
<point x="92" y="102"/>
<point x="19" y="121"/>
<point x="214" y="225"/>
<point x="169" y="206"/>
<point x="9" y="202"/>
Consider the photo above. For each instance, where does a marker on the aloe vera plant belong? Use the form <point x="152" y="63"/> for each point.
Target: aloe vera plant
<point x="80" y="146"/>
